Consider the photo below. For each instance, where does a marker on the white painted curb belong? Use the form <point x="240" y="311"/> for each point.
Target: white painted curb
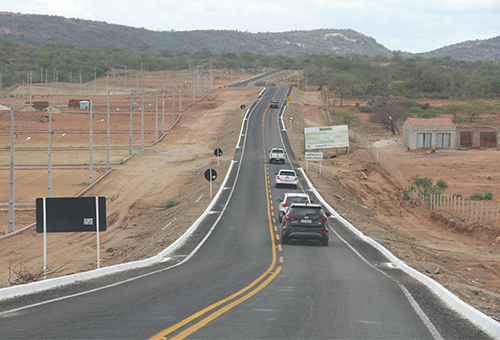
<point x="34" y="287"/>
<point x="39" y="286"/>
<point x="487" y="323"/>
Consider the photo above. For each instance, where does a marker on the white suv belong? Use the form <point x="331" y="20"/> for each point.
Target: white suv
<point x="287" y="177"/>
<point x="288" y="199"/>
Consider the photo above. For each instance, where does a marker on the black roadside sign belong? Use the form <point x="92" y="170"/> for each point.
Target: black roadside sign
<point x="210" y="175"/>
<point x="71" y="214"/>
<point x="218" y="152"/>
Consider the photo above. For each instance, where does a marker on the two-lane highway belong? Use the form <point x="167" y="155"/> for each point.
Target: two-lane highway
<point x="242" y="283"/>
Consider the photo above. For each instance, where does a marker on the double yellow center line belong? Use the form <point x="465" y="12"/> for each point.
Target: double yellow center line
<point x="188" y="326"/>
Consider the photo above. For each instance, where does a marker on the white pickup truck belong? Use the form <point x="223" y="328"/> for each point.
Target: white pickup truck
<point x="277" y="155"/>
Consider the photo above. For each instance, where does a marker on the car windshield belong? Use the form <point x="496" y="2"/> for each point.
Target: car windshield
<point x="307" y="211"/>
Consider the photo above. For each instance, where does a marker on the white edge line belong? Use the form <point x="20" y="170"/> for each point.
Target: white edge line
<point x="487" y="323"/>
<point x="34" y="287"/>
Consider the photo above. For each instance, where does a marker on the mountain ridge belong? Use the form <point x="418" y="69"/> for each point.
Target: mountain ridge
<point x="34" y="29"/>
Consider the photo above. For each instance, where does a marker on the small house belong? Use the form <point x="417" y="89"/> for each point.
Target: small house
<point x="429" y="133"/>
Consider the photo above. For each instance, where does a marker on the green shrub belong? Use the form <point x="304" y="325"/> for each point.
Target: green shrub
<point x="406" y="196"/>
<point x="425" y="187"/>
<point x="441" y="184"/>
<point x="171" y="204"/>
<point x="477" y="197"/>
<point x="488" y="196"/>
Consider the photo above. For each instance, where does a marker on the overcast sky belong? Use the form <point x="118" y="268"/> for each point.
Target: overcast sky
<point x="405" y="25"/>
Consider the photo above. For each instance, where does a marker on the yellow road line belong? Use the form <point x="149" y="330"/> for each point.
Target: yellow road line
<point x="219" y="312"/>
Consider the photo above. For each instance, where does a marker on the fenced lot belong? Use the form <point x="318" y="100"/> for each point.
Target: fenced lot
<point x="125" y="118"/>
<point x="465" y="171"/>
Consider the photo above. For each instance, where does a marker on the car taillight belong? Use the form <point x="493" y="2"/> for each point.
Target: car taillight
<point x="286" y="204"/>
<point x="287" y="229"/>
<point x="277" y="177"/>
<point x="322" y="219"/>
<point x="324" y="231"/>
<point x="290" y="218"/>
<point x="295" y="178"/>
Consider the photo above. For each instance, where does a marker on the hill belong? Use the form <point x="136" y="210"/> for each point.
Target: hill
<point x="32" y="29"/>
<point x="24" y="29"/>
<point x="488" y="49"/>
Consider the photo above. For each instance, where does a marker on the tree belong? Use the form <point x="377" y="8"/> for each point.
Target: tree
<point x="342" y="85"/>
<point x="389" y="117"/>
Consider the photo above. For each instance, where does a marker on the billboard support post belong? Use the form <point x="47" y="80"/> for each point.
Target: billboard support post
<point x="44" y="238"/>
<point x="97" y="230"/>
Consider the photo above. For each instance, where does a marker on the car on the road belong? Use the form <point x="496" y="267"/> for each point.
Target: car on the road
<point x="274" y="103"/>
<point x="286" y="177"/>
<point x="288" y="199"/>
<point x="305" y="221"/>
<point x="277" y="155"/>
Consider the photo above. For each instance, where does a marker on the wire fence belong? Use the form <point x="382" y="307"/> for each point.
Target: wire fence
<point x="464" y="210"/>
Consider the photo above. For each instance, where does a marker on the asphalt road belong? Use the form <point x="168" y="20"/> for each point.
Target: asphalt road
<point x="241" y="283"/>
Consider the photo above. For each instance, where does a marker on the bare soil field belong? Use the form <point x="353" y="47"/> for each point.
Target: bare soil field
<point x="141" y="223"/>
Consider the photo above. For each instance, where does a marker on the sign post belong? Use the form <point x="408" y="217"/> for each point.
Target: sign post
<point x="314" y="157"/>
<point x="218" y="153"/>
<point x="210" y="175"/>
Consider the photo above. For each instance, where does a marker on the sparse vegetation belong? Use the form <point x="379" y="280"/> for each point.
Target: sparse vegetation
<point x="488" y="196"/>
<point x="170" y="204"/>
<point x="22" y="274"/>
<point x="425" y="187"/>
<point x="358" y="67"/>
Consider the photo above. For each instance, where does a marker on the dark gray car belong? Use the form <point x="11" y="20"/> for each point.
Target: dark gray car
<point x="305" y="221"/>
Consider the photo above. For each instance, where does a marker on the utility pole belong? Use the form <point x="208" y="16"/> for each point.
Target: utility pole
<point x="211" y="76"/>
<point x="91" y="144"/>
<point x="180" y="94"/>
<point x="10" y="228"/>
<point x="130" y="128"/>
<point x="49" y="167"/>
<point x="163" y="112"/>
<point x="173" y="106"/>
<point x="108" y="138"/>
<point x="142" y="122"/>
<point x="156" y="117"/>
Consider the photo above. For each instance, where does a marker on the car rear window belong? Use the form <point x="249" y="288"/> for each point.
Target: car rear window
<point x="307" y="211"/>
<point x="291" y="200"/>
<point x="287" y="173"/>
